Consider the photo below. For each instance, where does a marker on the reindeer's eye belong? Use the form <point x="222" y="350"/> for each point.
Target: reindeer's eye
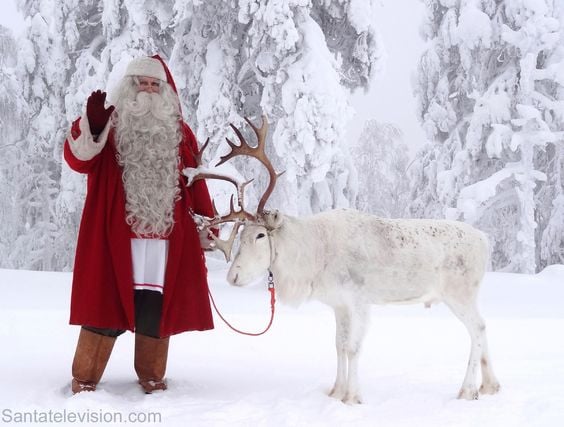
<point x="260" y="235"/>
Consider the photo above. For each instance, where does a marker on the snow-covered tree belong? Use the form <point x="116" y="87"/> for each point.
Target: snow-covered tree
<point x="230" y="59"/>
<point x="491" y="100"/>
<point x="550" y="196"/>
<point x="13" y="112"/>
<point x="41" y="67"/>
<point x="285" y="59"/>
<point x="383" y="159"/>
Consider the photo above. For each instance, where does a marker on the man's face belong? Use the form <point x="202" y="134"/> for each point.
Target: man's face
<point x="148" y="84"/>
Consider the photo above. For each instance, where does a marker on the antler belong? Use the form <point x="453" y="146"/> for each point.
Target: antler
<point x="257" y="152"/>
<point x="199" y="172"/>
<point x="225" y="246"/>
<point x="234" y="215"/>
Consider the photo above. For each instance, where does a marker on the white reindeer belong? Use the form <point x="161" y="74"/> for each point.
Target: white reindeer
<point x="349" y="260"/>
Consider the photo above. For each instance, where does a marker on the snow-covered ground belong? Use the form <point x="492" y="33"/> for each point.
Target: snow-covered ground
<point x="411" y="368"/>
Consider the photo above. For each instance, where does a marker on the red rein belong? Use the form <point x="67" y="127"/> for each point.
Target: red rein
<point x="272" y="303"/>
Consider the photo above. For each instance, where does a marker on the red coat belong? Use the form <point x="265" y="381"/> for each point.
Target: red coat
<point x="102" y="289"/>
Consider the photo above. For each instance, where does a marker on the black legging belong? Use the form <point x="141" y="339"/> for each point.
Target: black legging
<point x="148" y="309"/>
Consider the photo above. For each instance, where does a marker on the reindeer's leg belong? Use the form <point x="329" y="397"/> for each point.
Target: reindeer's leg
<point x="468" y="314"/>
<point x="490" y="384"/>
<point x="358" y="323"/>
<point x="341" y="337"/>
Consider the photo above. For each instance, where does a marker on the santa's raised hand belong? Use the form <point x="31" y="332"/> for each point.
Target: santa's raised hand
<point x="98" y="114"/>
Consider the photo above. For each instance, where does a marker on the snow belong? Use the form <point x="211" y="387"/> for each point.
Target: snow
<point x="411" y="367"/>
<point x="362" y="14"/>
<point x="472" y="197"/>
<point x="474" y="28"/>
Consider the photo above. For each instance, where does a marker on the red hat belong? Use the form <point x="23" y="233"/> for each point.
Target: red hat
<point x="169" y="78"/>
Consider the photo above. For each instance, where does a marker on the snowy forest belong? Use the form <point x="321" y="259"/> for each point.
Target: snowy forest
<point x="489" y="88"/>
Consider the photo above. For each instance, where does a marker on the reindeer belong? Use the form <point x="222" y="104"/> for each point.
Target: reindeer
<point x="350" y="260"/>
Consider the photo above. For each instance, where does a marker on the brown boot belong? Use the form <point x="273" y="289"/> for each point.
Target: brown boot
<point x="150" y="362"/>
<point x="92" y="353"/>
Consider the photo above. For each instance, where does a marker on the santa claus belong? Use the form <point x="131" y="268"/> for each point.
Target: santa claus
<point x="139" y="262"/>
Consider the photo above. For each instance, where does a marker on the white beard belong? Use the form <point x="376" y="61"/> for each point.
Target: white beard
<point x="147" y="141"/>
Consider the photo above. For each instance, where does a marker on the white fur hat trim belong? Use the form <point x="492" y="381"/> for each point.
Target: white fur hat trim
<point x="147" y="67"/>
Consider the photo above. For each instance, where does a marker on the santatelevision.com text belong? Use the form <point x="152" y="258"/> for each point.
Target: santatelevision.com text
<point x="79" y="417"/>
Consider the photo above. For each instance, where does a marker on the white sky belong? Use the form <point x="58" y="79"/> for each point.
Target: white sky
<point x="390" y="99"/>
<point x="10" y="17"/>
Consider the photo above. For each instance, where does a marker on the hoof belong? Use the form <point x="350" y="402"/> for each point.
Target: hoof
<point x="337" y="394"/>
<point x="354" y="399"/>
<point x="468" y="394"/>
<point x="492" y="388"/>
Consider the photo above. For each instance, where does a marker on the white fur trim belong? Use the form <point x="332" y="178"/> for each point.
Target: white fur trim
<point x="147" y="67"/>
<point x="84" y="147"/>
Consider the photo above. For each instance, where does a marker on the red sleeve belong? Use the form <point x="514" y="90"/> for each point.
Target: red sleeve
<point x="81" y="166"/>
<point x="201" y="199"/>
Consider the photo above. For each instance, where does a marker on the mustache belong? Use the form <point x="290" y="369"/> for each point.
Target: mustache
<point x="149" y="104"/>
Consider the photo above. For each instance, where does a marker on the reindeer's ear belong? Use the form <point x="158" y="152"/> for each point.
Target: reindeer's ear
<point x="272" y="219"/>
